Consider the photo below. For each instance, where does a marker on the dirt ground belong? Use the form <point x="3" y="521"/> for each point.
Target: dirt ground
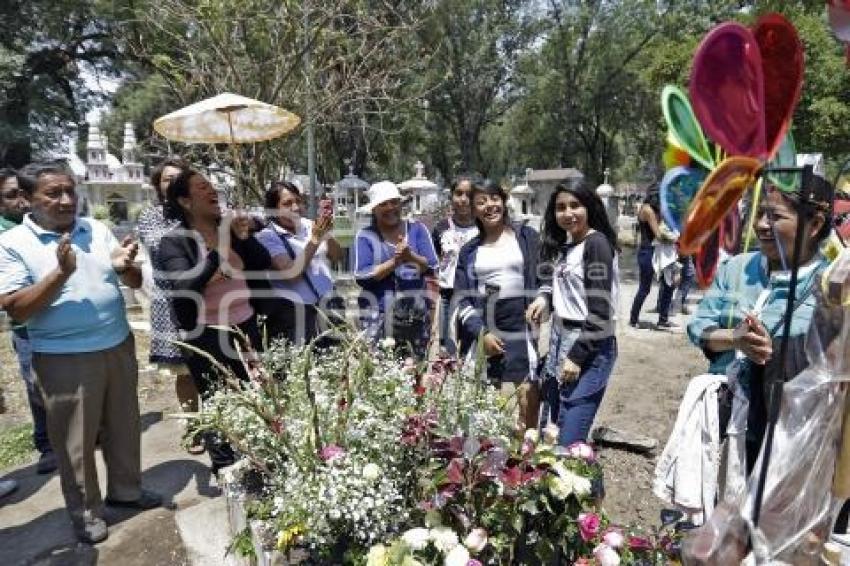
<point x="650" y="376"/>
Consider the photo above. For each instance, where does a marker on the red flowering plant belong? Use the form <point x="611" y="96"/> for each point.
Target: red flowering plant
<point x="525" y="494"/>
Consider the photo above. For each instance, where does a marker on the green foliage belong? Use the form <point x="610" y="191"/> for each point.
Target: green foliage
<point x="490" y="85"/>
<point x="242" y="545"/>
<point x="15" y="445"/>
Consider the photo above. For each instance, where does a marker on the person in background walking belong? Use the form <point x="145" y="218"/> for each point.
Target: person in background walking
<point x="59" y="275"/>
<point x="151" y="227"/>
<point x="13" y="206"/>
<point x="300" y="250"/>
<point x="649" y="226"/>
<point x="579" y="247"/>
<point x="450" y="235"/>
<point x="496" y="274"/>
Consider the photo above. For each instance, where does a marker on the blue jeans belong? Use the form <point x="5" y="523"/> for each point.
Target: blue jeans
<point x="23" y="349"/>
<point x="645" y="275"/>
<point x="665" y="299"/>
<point x="573" y="406"/>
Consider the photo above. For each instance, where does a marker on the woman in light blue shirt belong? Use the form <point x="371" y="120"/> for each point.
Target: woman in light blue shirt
<point x="742" y="313"/>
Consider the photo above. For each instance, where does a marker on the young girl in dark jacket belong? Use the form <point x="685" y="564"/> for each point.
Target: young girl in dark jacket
<point x="580" y="249"/>
<point x="496" y="277"/>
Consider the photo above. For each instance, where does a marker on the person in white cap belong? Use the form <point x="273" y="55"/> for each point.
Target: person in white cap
<point x="391" y="258"/>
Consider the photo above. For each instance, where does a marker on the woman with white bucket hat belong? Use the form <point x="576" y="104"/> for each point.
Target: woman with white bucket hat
<point x="391" y="258"/>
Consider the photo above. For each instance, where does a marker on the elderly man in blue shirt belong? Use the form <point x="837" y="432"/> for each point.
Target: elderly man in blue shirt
<point x="59" y="275"/>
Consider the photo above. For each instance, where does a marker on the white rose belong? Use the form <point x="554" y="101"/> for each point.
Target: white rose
<point x="377" y="556"/>
<point x="606" y="556"/>
<point x="444" y="539"/>
<point x="531" y="435"/>
<point x="560" y="488"/>
<point x="582" y="486"/>
<point x="371" y="471"/>
<point x="458" y="556"/>
<point x="416" y="539"/>
<point x="476" y="540"/>
<point x="550" y="433"/>
<point x="388" y="343"/>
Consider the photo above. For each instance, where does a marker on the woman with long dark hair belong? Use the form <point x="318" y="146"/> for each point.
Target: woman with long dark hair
<point x="579" y="248"/>
<point x="207" y="266"/>
<point x="649" y="224"/>
<point x="496" y="274"/>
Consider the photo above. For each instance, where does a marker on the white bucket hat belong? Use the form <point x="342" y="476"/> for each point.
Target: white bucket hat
<point x="380" y="192"/>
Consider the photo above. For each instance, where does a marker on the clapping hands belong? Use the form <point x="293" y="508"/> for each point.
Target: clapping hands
<point x="65" y="255"/>
<point x="403" y="252"/>
<point x="124" y="255"/>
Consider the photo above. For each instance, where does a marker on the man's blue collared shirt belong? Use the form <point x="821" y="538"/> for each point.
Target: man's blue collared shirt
<point x="88" y="313"/>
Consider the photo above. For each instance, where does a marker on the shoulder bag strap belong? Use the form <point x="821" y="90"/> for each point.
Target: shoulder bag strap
<point x="305" y="275"/>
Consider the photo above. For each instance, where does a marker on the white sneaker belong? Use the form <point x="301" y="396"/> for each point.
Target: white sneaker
<point x="7" y="487"/>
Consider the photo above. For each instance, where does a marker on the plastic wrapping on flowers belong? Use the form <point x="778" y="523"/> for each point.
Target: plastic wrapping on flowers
<point x="807" y="480"/>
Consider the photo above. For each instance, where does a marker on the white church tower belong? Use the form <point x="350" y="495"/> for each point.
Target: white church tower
<point x="129" y="156"/>
<point x="96" y="164"/>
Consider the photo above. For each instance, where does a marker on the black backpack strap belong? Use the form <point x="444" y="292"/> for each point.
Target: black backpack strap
<point x="291" y="251"/>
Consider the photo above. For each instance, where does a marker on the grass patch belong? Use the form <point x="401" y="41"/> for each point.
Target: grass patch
<point x="15" y="445"/>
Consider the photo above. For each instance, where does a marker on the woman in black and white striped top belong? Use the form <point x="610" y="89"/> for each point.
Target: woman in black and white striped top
<point x="580" y="285"/>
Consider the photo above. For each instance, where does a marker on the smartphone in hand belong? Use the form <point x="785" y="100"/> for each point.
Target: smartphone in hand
<point x="326" y="208"/>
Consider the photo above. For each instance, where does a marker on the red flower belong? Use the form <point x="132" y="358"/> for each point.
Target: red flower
<point x="454" y="473"/>
<point x="512" y="476"/>
<point x="276" y="425"/>
<point x="639" y="544"/>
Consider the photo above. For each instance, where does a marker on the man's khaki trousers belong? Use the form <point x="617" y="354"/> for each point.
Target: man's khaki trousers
<point x="88" y="396"/>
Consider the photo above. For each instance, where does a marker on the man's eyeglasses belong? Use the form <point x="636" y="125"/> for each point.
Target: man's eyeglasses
<point x="12" y="194"/>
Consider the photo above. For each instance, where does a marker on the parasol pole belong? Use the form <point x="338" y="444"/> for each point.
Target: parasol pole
<point x="237" y="169"/>
<point x="774" y="391"/>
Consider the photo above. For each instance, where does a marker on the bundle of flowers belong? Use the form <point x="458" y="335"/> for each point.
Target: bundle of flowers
<point x="338" y="438"/>
<point x="527" y="502"/>
<point x="354" y="456"/>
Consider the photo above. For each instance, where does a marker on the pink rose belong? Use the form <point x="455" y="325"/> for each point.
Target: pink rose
<point x="588" y="526"/>
<point x="473" y="562"/>
<point x="331" y="452"/>
<point x="582" y="451"/>
<point x="613" y="537"/>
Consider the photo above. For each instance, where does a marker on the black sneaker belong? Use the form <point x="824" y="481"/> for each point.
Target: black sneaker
<point x="147" y="500"/>
<point x="46" y="463"/>
<point x="91" y="530"/>
<point x="666" y="325"/>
